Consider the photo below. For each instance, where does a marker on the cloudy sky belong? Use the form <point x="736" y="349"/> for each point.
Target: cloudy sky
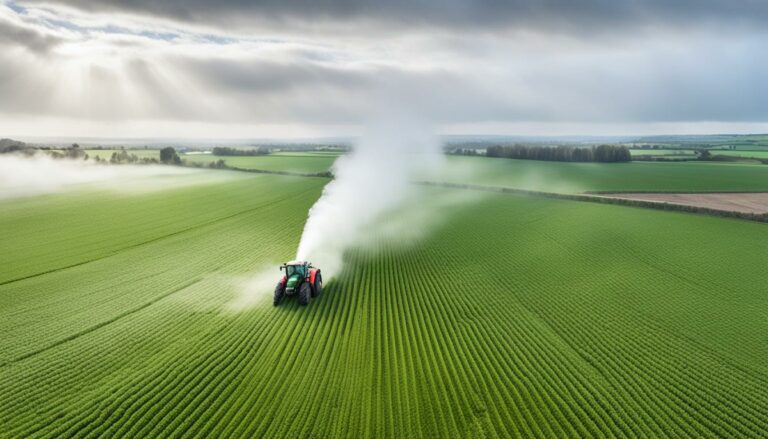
<point x="280" y="68"/>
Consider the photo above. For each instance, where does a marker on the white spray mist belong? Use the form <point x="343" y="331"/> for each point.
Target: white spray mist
<point x="372" y="181"/>
<point x="22" y="176"/>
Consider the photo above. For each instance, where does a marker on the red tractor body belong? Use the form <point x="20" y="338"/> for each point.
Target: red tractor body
<point x="300" y="278"/>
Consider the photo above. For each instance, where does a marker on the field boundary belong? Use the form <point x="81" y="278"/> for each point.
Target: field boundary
<point x="326" y="174"/>
<point x="594" y="198"/>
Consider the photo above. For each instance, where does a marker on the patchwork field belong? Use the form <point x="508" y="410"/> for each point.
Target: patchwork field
<point x="690" y="153"/>
<point x="281" y="161"/>
<point x="621" y="177"/>
<point x="537" y="317"/>
<point x="531" y="174"/>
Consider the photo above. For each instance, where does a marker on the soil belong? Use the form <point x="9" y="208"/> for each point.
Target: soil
<point x="735" y="202"/>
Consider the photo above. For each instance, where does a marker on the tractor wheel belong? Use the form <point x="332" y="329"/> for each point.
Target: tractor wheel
<point x="305" y="291"/>
<point x="279" y="294"/>
<point x="317" y="288"/>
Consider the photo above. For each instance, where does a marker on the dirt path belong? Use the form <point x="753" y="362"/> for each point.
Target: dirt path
<point x="734" y="202"/>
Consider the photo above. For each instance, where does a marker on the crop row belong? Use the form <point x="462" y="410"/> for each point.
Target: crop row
<point x="538" y="318"/>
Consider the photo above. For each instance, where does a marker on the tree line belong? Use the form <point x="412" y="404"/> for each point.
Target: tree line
<point x="463" y="151"/>
<point x="10" y="146"/>
<point x="562" y="153"/>
<point x="225" y="151"/>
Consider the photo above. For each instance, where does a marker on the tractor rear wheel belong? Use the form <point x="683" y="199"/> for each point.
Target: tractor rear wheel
<point x="305" y="291"/>
<point x="317" y="288"/>
<point x="279" y="294"/>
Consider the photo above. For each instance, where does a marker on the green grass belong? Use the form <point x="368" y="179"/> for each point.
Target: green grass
<point x="635" y="176"/>
<point x="516" y="316"/>
<point x="302" y="162"/>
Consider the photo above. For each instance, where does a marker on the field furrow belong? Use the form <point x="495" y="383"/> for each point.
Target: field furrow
<point x="514" y="317"/>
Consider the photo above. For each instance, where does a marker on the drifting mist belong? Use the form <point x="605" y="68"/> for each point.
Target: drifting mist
<point x="22" y="176"/>
<point x="372" y="181"/>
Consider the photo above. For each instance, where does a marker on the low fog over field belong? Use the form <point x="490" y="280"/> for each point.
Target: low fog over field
<point x="24" y="176"/>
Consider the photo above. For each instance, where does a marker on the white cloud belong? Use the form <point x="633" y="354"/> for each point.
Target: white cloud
<point x="145" y="72"/>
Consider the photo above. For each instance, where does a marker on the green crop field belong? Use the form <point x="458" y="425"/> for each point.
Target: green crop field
<point x="634" y="176"/>
<point x="304" y="162"/>
<point x="761" y="154"/>
<point x="312" y="153"/>
<point x="513" y="316"/>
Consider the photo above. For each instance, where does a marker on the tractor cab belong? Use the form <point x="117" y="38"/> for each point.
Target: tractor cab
<point x="300" y="277"/>
<point x="296" y="270"/>
<point x="295" y="273"/>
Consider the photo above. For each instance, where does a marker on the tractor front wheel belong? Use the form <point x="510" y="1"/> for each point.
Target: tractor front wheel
<point x="318" y="286"/>
<point x="305" y="291"/>
<point x="279" y="294"/>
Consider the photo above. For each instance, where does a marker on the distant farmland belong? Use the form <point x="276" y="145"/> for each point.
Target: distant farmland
<point x="691" y="154"/>
<point x="305" y="162"/>
<point x="531" y="174"/>
<point x="626" y="177"/>
<point x="515" y="316"/>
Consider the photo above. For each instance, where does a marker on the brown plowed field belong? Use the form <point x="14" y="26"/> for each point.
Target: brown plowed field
<point x="735" y="202"/>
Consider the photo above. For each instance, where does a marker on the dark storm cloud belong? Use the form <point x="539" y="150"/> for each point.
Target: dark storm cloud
<point x="583" y="16"/>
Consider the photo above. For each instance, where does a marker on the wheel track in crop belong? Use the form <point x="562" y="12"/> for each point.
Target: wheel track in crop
<point x="97" y="326"/>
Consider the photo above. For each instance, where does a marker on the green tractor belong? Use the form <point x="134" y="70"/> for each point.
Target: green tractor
<point x="300" y="278"/>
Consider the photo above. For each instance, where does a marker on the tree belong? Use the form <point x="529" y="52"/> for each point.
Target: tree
<point x="168" y="156"/>
<point x="218" y="164"/>
<point x="704" y="154"/>
<point x="74" y="152"/>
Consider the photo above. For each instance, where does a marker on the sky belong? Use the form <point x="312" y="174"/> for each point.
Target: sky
<point x="311" y="68"/>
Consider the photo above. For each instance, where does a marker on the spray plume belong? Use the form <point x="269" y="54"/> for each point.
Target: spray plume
<point x="370" y="198"/>
<point x="371" y="182"/>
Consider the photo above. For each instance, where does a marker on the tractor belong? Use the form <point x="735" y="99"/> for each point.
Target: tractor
<point x="300" y="278"/>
